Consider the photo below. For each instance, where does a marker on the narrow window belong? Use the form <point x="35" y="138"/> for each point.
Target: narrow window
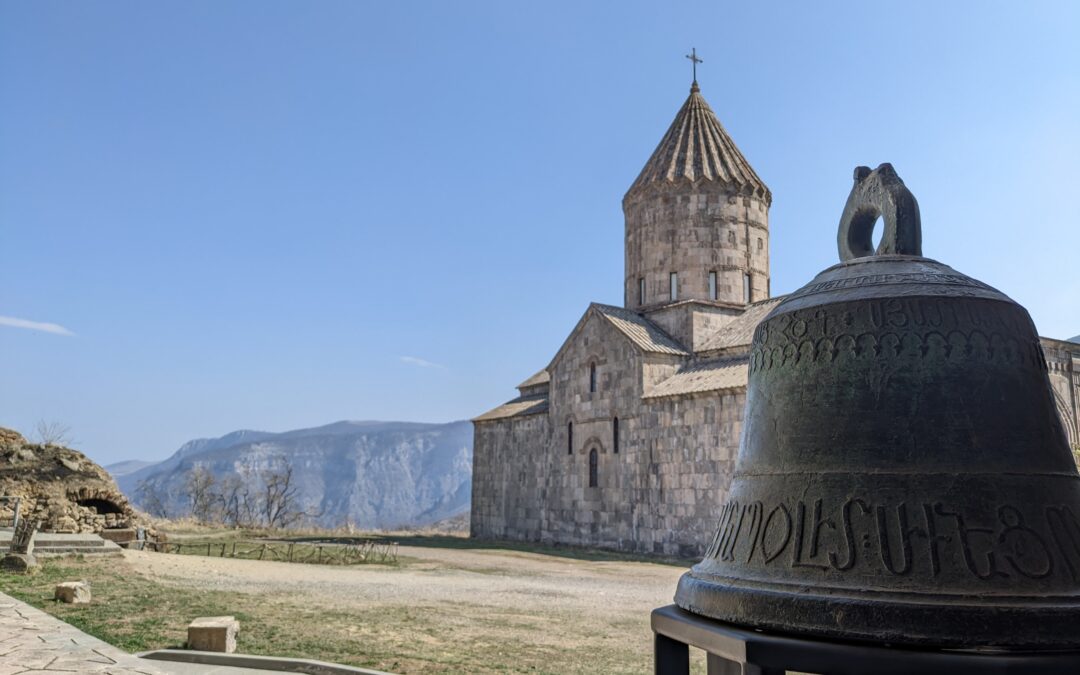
<point x="594" y="461"/>
<point x="615" y="435"/>
<point x="569" y="438"/>
<point x="592" y="378"/>
<point x="641" y="291"/>
<point x="746" y="288"/>
<point x="760" y="244"/>
<point x="674" y="286"/>
<point x="731" y="236"/>
<point x="712" y="285"/>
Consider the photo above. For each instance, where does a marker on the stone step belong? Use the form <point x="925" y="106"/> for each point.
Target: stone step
<point x="52" y="544"/>
<point x="75" y="550"/>
<point x="41" y="542"/>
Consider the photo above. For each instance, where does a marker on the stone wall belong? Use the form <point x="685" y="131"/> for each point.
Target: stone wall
<point x="60" y="487"/>
<point x="511" y="457"/>
<point x="693" y="230"/>
<point x="693" y="322"/>
<point x="660" y="493"/>
<point x="1063" y="364"/>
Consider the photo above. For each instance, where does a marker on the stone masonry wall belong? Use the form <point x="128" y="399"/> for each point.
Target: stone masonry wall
<point x="659" y="494"/>
<point x="511" y="457"/>
<point x="1063" y="363"/>
<point x="692" y="230"/>
<point x="693" y="323"/>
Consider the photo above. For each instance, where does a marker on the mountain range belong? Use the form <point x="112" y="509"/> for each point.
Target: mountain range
<point x="371" y="475"/>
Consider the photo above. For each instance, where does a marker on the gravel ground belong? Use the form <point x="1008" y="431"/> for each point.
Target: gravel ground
<point x="455" y="611"/>
<point x="485" y="577"/>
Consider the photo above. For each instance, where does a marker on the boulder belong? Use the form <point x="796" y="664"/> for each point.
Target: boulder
<point x="73" y="592"/>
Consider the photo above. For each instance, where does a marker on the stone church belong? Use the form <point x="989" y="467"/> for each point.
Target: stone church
<point x="627" y="439"/>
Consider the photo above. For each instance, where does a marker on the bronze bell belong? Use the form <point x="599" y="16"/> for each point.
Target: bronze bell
<point x="902" y="475"/>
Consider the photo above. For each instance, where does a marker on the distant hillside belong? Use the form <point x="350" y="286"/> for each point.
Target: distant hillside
<point x="122" y="468"/>
<point x="1075" y="339"/>
<point x="368" y="474"/>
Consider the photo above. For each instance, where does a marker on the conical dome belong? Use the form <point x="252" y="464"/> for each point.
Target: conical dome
<point x="696" y="147"/>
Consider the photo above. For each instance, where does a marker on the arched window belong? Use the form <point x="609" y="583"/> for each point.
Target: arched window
<point x="594" y="461"/>
<point x="569" y="438"/>
<point x="615" y="435"/>
<point x="592" y="378"/>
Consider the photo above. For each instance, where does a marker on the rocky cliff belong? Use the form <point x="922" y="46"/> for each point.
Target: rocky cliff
<point x="365" y="474"/>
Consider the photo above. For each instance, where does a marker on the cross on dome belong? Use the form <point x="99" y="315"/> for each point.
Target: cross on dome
<point x="694" y="60"/>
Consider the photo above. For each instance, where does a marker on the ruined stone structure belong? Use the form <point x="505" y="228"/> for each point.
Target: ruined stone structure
<point x="627" y="439"/>
<point x="60" y="487"/>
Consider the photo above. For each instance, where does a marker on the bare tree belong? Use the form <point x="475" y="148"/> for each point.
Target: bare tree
<point x="151" y="498"/>
<point x="53" y="433"/>
<point x="235" y="501"/>
<point x="279" y="503"/>
<point x="200" y="491"/>
<point x="251" y="497"/>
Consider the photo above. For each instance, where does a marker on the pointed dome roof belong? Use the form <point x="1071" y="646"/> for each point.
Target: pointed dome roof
<point x="696" y="147"/>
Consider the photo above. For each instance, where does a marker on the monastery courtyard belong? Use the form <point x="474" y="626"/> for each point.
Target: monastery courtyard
<point x="439" y="610"/>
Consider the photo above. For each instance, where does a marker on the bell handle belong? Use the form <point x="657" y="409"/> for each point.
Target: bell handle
<point x="879" y="194"/>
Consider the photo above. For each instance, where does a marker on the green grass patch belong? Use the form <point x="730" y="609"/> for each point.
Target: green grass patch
<point x="137" y="613"/>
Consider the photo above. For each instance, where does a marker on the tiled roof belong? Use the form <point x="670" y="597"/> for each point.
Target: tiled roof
<point x="522" y="405"/>
<point x="644" y="333"/>
<point x="541" y="377"/>
<point x="739" y="331"/>
<point x="703" y="376"/>
<point x="696" y="147"/>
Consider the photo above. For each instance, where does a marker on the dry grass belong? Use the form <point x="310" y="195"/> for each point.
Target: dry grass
<point x="411" y="631"/>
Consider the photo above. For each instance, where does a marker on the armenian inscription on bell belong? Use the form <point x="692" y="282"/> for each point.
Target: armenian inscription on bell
<point x="899" y="539"/>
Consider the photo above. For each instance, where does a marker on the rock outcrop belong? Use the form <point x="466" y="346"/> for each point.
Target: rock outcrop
<point x="59" y="486"/>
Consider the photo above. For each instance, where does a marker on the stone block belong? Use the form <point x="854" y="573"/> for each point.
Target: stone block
<point x="20" y="563"/>
<point x="72" y="592"/>
<point x="213" y="634"/>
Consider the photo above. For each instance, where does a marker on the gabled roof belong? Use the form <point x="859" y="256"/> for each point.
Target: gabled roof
<point x="522" y="405"/>
<point x="739" y="332"/>
<point x="696" y="147"/>
<point x="729" y="373"/>
<point x="541" y="377"/>
<point x="644" y="333"/>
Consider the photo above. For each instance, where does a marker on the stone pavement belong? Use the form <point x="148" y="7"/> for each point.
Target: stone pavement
<point x="34" y="643"/>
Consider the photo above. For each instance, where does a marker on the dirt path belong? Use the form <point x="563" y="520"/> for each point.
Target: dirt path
<point x="500" y="579"/>
<point x="446" y="610"/>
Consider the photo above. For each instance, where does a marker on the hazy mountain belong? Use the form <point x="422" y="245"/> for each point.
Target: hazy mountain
<point x="369" y="474"/>
<point x="1075" y="339"/>
<point x="129" y="466"/>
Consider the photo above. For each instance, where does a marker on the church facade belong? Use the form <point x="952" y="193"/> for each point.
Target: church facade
<point x="627" y="439"/>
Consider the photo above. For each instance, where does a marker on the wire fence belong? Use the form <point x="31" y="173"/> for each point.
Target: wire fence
<point x="367" y="551"/>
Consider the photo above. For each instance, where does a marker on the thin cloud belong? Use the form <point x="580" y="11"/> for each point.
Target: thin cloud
<point x="54" y="328"/>
<point x="422" y="363"/>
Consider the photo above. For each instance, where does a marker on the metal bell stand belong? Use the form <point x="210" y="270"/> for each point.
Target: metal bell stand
<point x="733" y="650"/>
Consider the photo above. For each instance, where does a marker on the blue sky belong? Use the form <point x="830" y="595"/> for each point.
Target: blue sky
<point x="276" y="214"/>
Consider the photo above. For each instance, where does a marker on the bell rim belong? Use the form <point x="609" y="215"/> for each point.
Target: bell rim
<point x="953" y="621"/>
